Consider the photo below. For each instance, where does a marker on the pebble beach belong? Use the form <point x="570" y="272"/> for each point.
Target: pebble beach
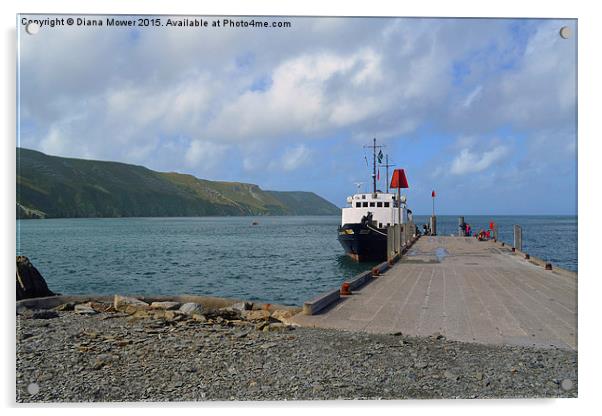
<point x="90" y="354"/>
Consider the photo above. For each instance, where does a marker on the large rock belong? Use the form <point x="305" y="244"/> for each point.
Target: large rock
<point x="44" y="314"/>
<point x="242" y="306"/>
<point x="191" y="308"/>
<point x="30" y="283"/>
<point x="284" y="316"/>
<point x="256" y="315"/>
<point x="166" y="306"/>
<point x="85" y="309"/>
<point x="128" y="304"/>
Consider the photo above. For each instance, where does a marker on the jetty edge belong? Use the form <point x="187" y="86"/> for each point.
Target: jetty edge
<point x="329" y="298"/>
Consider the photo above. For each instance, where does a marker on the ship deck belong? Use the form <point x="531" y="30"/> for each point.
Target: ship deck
<point x="465" y="290"/>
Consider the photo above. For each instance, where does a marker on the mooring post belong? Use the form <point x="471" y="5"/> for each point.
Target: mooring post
<point x="518" y="237"/>
<point x="433" y="225"/>
<point x="391" y="247"/>
<point x="461" y="227"/>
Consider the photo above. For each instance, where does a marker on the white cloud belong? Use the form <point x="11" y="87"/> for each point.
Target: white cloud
<point x="310" y="94"/>
<point x="150" y="97"/>
<point x="295" y="157"/>
<point x="469" y="161"/>
<point x="205" y="155"/>
<point x="292" y="159"/>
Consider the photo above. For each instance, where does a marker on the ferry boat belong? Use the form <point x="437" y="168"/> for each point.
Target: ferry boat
<point x="364" y="222"/>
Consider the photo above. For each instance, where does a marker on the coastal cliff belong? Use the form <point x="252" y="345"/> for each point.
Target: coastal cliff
<point x="58" y="187"/>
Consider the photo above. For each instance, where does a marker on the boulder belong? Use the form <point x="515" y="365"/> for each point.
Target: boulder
<point x="30" y="283"/>
<point x="175" y="316"/>
<point x="229" y="313"/>
<point x="69" y="306"/>
<point x="191" y="308"/>
<point x="166" y="306"/>
<point x="141" y="314"/>
<point x="44" y="314"/>
<point x="101" y="306"/>
<point x="277" y="327"/>
<point x="242" y="306"/>
<point x="199" y="318"/>
<point x="256" y="315"/>
<point x="128" y="304"/>
<point x="84" y="309"/>
<point x="284" y="316"/>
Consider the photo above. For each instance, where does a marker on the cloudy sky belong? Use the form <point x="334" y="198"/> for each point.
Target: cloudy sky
<point x="481" y="110"/>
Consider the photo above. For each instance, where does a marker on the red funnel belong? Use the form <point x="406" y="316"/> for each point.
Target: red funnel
<point x="399" y="179"/>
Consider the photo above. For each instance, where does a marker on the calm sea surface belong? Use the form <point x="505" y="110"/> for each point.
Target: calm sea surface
<point x="282" y="259"/>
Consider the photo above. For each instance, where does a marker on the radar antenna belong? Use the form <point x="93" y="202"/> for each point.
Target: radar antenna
<point x="358" y="185"/>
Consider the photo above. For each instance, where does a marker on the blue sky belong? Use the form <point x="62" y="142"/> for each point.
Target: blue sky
<point x="481" y="110"/>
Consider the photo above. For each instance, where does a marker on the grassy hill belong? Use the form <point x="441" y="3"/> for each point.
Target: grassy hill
<point x="57" y="187"/>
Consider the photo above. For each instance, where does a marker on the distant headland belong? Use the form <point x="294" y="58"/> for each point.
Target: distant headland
<point x="58" y="187"/>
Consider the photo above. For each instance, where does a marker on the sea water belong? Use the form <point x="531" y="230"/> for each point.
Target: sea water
<point x="283" y="260"/>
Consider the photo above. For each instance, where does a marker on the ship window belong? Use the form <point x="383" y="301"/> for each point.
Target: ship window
<point x="386" y="205"/>
<point x="365" y="205"/>
<point x="380" y="225"/>
<point x="379" y="204"/>
<point x="358" y="204"/>
<point x="371" y="204"/>
<point x="363" y="196"/>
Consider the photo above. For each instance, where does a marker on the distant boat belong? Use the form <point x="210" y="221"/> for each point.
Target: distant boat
<point x="255" y="223"/>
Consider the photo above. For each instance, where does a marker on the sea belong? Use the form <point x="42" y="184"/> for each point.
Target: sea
<point x="283" y="260"/>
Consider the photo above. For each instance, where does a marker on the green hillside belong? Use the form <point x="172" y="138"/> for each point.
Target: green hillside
<point x="57" y="187"/>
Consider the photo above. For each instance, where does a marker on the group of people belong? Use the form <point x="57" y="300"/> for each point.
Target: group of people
<point x="482" y="235"/>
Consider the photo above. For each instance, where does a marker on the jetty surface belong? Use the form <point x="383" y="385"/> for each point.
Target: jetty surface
<point x="466" y="290"/>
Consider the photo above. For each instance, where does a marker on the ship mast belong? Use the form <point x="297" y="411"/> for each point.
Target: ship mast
<point x="374" y="147"/>
<point x="387" y="166"/>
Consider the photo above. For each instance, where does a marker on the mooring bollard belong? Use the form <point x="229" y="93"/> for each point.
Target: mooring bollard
<point x="527" y="257"/>
<point x="548" y="266"/>
<point x="518" y="237"/>
<point x="345" y="291"/>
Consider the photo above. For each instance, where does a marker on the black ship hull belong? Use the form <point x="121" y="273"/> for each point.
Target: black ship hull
<point x="363" y="243"/>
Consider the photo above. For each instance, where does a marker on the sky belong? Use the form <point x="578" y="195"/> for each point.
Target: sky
<point x="483" y="111"/>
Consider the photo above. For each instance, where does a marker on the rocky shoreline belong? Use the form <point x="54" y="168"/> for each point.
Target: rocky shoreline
<point x="130" y="350"/>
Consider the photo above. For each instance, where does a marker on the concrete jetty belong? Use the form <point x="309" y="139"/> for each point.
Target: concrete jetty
<point x="466" y="290"/>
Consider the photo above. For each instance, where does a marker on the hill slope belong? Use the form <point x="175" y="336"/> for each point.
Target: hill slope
<point x="57" y="187"/>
